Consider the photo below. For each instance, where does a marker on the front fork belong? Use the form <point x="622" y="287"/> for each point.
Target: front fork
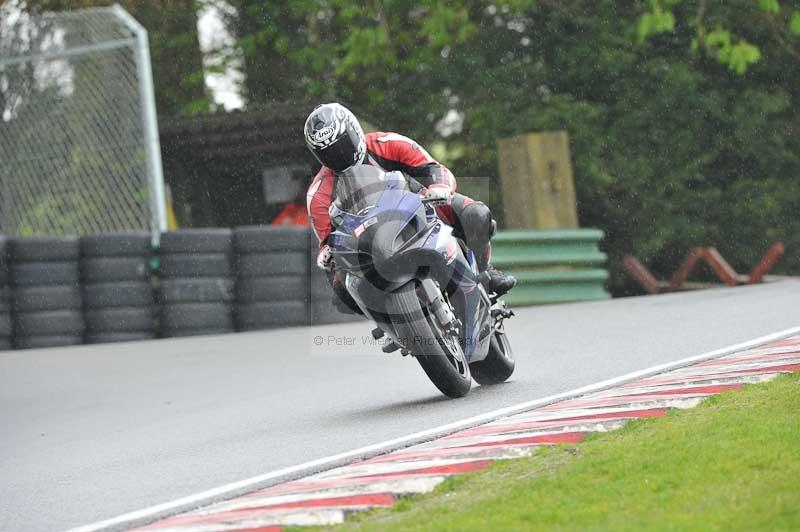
<point x="430" y="294"/>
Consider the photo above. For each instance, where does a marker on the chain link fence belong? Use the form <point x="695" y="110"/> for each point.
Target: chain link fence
<point x="79" y="147"/>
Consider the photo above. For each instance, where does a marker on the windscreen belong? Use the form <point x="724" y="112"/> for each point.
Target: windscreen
<point x="359" y="187"/>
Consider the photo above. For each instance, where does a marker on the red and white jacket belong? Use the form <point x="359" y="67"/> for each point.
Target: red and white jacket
<point x="388" y="151"/>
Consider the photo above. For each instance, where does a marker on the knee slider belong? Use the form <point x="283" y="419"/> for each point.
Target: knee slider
<point x="479" y="227"/>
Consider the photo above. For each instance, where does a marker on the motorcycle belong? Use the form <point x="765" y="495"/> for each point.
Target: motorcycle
<point x="419" y="283"/>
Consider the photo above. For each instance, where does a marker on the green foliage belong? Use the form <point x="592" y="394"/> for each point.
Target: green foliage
<point x="682" y="114"/>
<point x="738" y="56"/>
<point x="794" y="23"/>
<point x="770" y="6"/>
<point x="672" y="148"/>
<point x="656" y="21"/>
<point x="736" y="53"/>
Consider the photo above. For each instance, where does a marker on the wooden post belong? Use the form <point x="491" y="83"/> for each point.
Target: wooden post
<point x="536" y="176"/>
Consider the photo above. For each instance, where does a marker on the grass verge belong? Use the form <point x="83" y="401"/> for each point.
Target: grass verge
<point x="733" y="462"/>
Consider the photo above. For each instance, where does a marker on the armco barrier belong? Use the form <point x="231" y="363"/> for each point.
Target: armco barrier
<point x="552" y="266"/>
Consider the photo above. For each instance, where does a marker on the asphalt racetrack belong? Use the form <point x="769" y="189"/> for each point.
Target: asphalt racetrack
<point x="92" y="432"/>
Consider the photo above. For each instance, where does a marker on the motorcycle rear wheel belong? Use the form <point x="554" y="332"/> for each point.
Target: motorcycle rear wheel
<point x="498" y="365"/>
<point x="439" y="354"/>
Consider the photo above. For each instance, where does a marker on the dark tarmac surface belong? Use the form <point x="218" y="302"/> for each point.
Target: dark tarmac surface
<point x="89" y="433"/>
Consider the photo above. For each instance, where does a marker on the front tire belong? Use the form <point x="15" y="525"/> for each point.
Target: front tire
<point x="439" y="354"/>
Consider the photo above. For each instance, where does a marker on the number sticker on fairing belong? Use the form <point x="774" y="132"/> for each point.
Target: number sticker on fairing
<point x="363" y="227"/>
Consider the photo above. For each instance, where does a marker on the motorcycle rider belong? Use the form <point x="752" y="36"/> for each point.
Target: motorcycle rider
<point x="335" y="137"/>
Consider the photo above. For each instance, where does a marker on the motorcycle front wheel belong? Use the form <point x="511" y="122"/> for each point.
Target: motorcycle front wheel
<point x="439" y="353"/>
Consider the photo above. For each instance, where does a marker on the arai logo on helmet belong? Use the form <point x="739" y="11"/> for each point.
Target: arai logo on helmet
<point x="323" y="134"/>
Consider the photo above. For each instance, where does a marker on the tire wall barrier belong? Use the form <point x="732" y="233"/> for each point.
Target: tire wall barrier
<point x="272" y="277"/>
<point x="552" y="266"/>
<point x="114" y="287"/>
<point x="117" y="284"/>
<point x="46" y="299"/>
<point x="5" y="299"/>
<point x="196" y="280"/>
<point x="321" y="296"/>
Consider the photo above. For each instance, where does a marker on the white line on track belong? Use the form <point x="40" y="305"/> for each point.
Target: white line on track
<point x="191" y="502"/>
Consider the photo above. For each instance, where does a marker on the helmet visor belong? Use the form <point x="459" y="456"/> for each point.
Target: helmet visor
<point x="341" y="154"/>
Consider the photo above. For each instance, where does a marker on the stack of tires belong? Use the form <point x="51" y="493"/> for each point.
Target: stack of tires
<point x="321" y="302"/>
<point x="196" y="282"/>
<point x="321" y="296"/>
<point x="46" y="294"/>
<point x="117" y="287"/>
<point x="272" y="277"/>
<point x="5" y="299"/>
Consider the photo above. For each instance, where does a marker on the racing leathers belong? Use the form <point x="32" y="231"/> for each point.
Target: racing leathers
<point x="470" y="219"/>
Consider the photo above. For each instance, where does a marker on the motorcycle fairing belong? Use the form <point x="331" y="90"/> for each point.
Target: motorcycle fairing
<point x="397" y="239"/>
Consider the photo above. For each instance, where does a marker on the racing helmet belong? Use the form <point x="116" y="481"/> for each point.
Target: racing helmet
<point x="335" y="137"/>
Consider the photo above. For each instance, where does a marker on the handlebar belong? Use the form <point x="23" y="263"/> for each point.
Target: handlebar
<point x="433" y="202"/>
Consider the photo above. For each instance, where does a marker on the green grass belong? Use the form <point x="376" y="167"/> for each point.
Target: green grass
<point x="732" y="463"/>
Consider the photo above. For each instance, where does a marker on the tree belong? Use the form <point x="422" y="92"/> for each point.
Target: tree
<point x="728" y="35"/>
<point x="681" y="112"/>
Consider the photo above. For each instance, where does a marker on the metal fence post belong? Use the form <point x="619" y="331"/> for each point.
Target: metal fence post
<point x="150" y="122"/>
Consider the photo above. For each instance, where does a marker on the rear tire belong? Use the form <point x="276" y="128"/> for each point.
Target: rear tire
<point x="5" y="325"/>
<point x="41" y="342"/>
<point x="264" y="264"/>
<point x="44" y="274"/>
<point x="197" y="265"/>
<point x="39" y="298"/>
<point x="498" y="365"/>
<point x="197" y="241"/>
<point x="119" y="244"/>
<point x="415" y="332"/>
<point x="44" y="249"/>
<point x="115" y="337"/>
<point x="189" y="316"/>
<point x="270" y="314"/>
<point x="97" y="270"/>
